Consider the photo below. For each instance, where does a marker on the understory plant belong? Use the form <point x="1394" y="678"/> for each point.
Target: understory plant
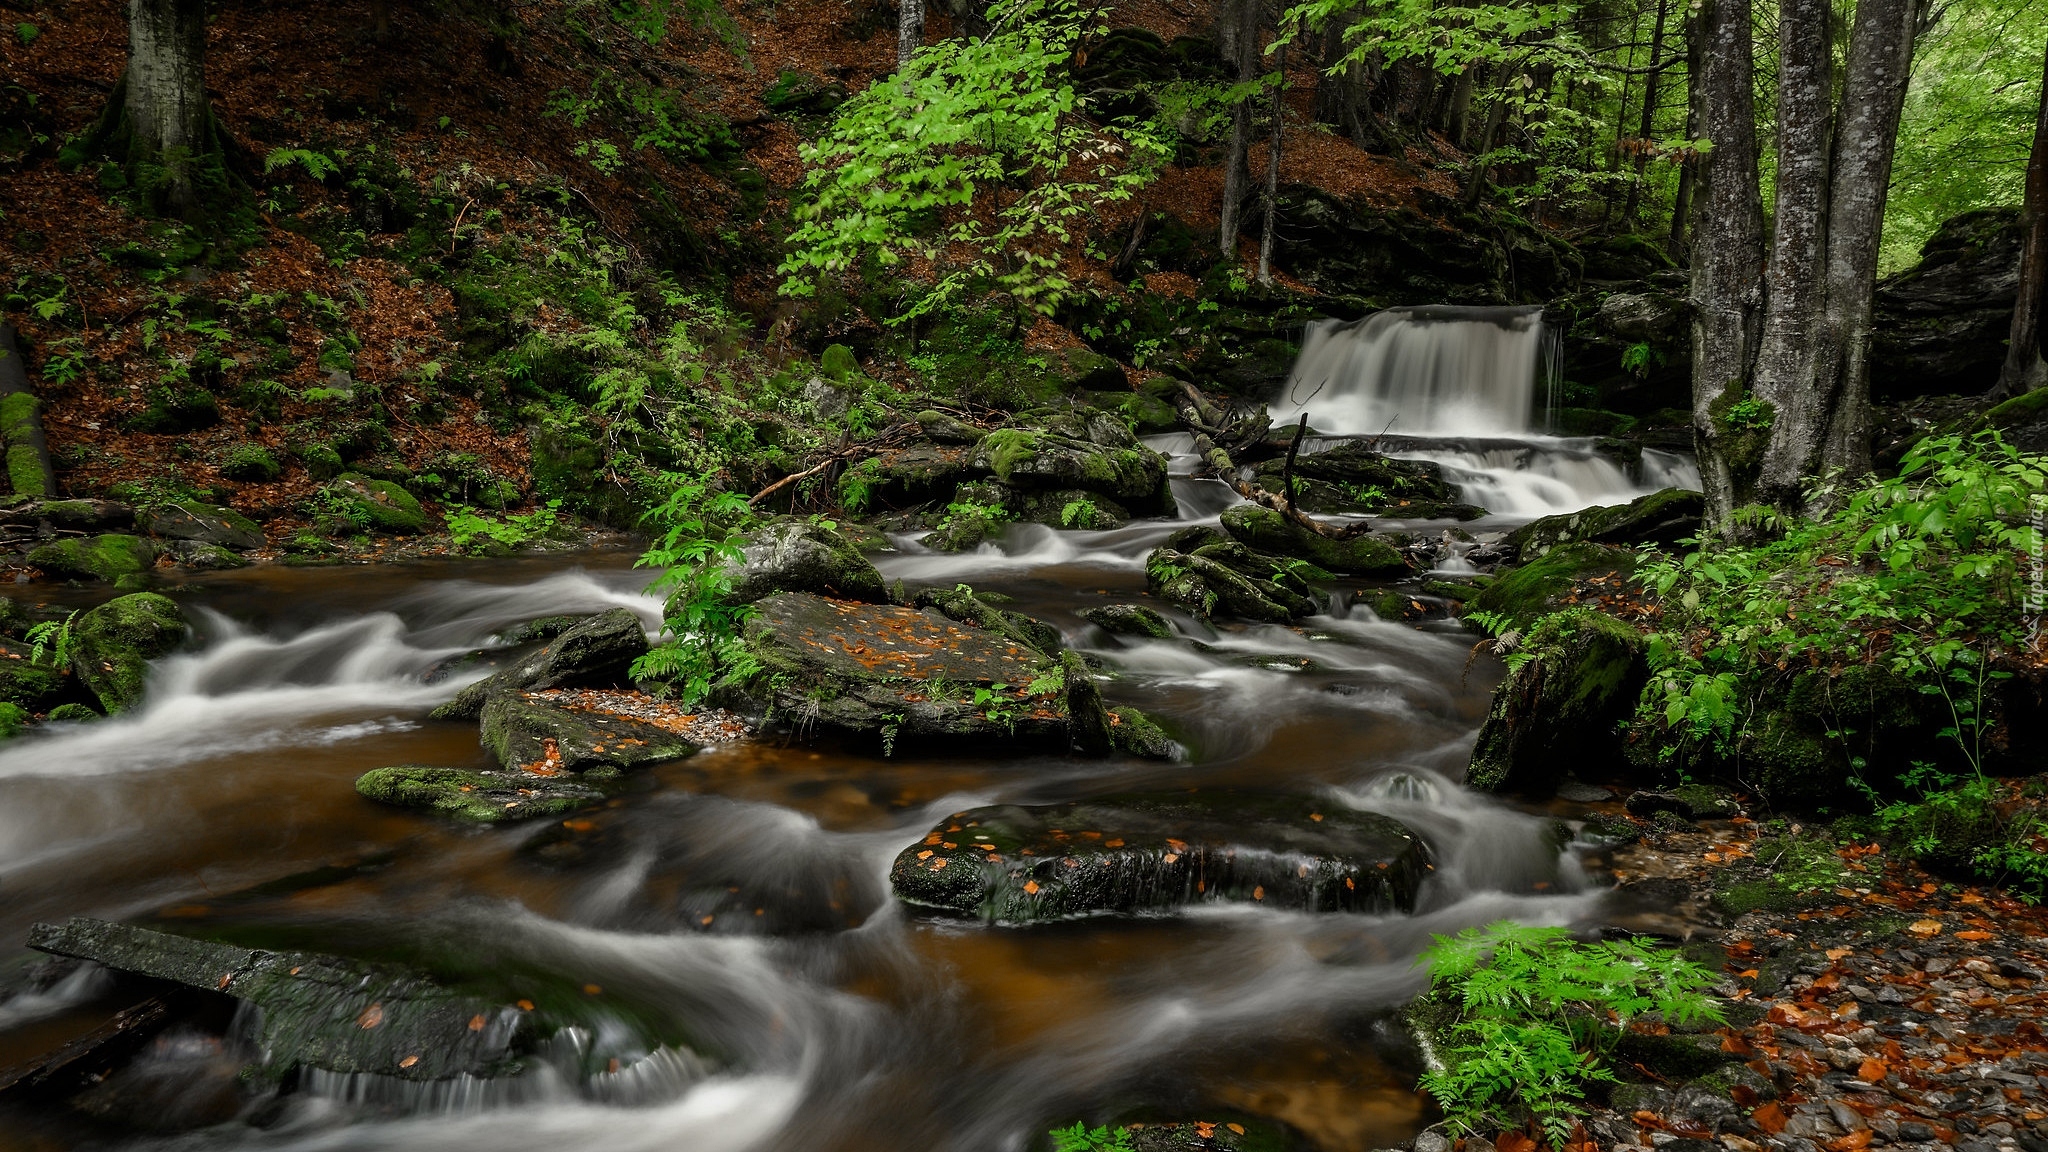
<point x="1530" y="1016"/>
<point x="468" y="528"/>
<point x="701" y="530"/>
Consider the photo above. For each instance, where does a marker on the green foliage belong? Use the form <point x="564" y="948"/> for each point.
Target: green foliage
<point x="1919" y="573"/>
<point x="1081" y="513"/>
<point x="249" y="462"/>
<point x="317" y="165"/>
<point x="51" y="638"/>
<point x="1638" y="359"/>
<point x="701" y="532"/>
<point x="1749" y="414"/>
<point x="1081" y="1138"/>
<point x="468" y="529"/>
<point x="1532" y="1019"/>
<point x="857" y="485"/>
<point x="978" y="146"/>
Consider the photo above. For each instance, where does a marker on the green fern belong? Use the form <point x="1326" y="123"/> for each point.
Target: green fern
<point x="318" y="165"/>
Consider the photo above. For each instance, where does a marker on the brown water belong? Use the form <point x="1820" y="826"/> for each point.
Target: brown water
<point x="736" y="903"/>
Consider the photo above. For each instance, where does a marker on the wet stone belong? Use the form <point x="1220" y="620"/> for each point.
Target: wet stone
<point x="534" y="735"/>
<point x="318" y="1011"/>
<point x="1158" y="852"/>
<point x="1129" y="620"/>
<point x="597" y="652"/>
<point x="483" y="797"/>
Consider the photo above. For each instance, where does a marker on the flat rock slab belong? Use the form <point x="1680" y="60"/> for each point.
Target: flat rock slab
<point x="543" y="734"/>
<point x="1157" y="852"/>
<point x="882" y="640"/>
<point x="482" y="797"/>
<point x="318" y="1011"/>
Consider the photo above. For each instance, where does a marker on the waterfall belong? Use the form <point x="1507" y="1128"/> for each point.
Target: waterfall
<point x="1427" y="371"/>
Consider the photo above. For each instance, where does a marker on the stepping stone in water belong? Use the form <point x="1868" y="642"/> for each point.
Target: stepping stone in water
<point x="1156" y="852"/>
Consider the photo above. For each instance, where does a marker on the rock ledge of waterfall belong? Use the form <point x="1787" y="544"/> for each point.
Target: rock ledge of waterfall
<point x="1144" y="853"/>
<point x="316" y="1011"/>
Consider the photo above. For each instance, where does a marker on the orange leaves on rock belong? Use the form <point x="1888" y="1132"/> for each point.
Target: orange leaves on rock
<point x="593" y="990"/>
<point x="1770" y="1118"/>
<point x="408" y="1062"/>
<point x="1031" y="887"/>
<point x="371" y="1017"/>
<point x="525" y="1005"/>
<point x="1974" y="935"/>
<point x="1872" y="1072"/>
<point x="1924" y="928"/>
<point x="1853" y="1141"/>
<point x="476" y="1022"/>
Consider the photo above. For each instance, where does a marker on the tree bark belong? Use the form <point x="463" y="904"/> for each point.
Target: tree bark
<point x="169" y="125"/>
<point x="909" y="30"/>
<point x="1648" y="123"/>
<point x="1727" y="266"/>
<point x="2024" y="368"/>
<point x="1792" y="350"/>
<point x="1688" y="167"/>
<point x="1244" y="43"/>
<point x="1273" y="170"/>
<point x="1873" y="98"/>
<point x="1460" y="125"/>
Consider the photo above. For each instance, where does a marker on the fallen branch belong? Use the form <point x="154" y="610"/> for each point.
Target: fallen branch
<point x="869" y="448"/>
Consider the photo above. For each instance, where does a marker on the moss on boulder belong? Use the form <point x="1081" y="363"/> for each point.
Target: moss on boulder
<point x="1129" y="620"/>
<point x="596" y="653"/>
<point x="1561" y="710"/>
<point x="204" y="523"/>
<point x="112" y="645"/>
<point x="532" y="734"/>
<point x="1663" y="517"/>
<point x="1530" y="591"/>
<point x="1266" y="530"/>
<point x="796" y="555"/>
<point x="116" y="558"/>
<point x="379" y="504"/>
<point x="482" y="797"/>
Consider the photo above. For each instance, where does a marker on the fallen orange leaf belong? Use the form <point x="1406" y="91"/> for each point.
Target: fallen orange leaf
<point x="1770" y="1118"/>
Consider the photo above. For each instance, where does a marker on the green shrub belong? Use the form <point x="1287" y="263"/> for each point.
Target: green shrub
<point x="1530" y="1015"/>
<point x="701" y="533"/>
<point x="470" y="532"/>
<point x="249" y="462"/>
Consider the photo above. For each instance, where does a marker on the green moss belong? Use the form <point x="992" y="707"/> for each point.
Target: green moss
<point x="2021" y="409"/>
<point x="1744" y="425"/>
<point x="25" y="471"/>
<point x="112" y="645"/>
<point x="1268" y="531"/>
<point x="12" y="718"/>
<point x="380" y="504"/>
<point x="250" y="463"/>
<point x="1008" y="449"/>
<point x="1538" y="588"/>
<point x="113" y="558"/>
<point x="1561" y="707"/>
<point x="31" y="686"/>
<point x="17" y="415"/>
<point x="486" y="798"/>
<point x="73" y="713"/>
<point x="321" y="460"/>
<point x="838" y="363"/>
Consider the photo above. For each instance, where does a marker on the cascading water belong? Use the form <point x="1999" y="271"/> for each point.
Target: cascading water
<point x="1458" y="387"/>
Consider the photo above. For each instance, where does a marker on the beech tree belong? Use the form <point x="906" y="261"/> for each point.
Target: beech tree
<point x="158" y="121"/>
<point x="1781" y="379"/>
<point x="2024" y="368"/>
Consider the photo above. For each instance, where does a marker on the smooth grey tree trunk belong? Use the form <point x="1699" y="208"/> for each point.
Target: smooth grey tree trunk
<point x="169" y="124"/>
<point x="2024" y="369"/>
<point x="1792" y="352"/>
<point x="1728" y="256"/>
<point x="1649" y="118"/>
<point x="909" y="29"/>
<point x="1244" y="46"/>
<point x="1273" y="171"/>
<point x="1873" y="98"/>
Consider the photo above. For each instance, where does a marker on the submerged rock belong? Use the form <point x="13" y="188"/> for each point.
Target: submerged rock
<point x="112" y="645"/>
<point x="1266" y="530"/>
<point x="538" y="736"/>
<point x="204" y="523"/>
<point x="118" y="559"/>
<point x="1140" y="853"/>
<point x="795" y="555"/>
<point x="484" y="797"/>
<point x="597" y="651"/>
<point x="317" y="1011"/>
<point x="1561" y="710"/>
<point x="1664" y="517"/>
<point x="1129" y="620"/>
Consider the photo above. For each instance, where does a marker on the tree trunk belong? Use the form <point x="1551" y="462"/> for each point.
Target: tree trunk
<point x="380" y="18"/>
<point x="2024" y="368"/>
<point x="1236" y="175"/>
<point x="21" y="424"/>
<point x="1792" y="351"/>
<point x="170" y="129"/>
<point x="1688" y="166"/>
<point x="1727" y="264"/>
<point x="1649" y="119"/>
<point x="1873" y="98"/>
<point x="1475" y="181"/>
<point x="909" y="30"/>
<point x="1273" y="170"/>
<point x="1460" y="125"/>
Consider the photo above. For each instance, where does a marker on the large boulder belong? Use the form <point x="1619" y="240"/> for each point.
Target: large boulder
<point x="1121" y="469"/>
<point x="1129" y="620"/>
<point x="204" y="523"/>
<point x="1146" y="853"/>
<point x="1225" y="578"/>
<point x="1940" y="326"/>
<point x="893" y="672"/>
<point x="797" y="555"/>
<point x="117" y="558"/>
<point x="1555" y="581"/>
<point x="1349" y="476"/>
<point x="481" y="797"/>
<point x="596" y="653"/>
<point x="31" y="685"/>
<point x="1560" y="712"/>
<point x="380" y="505"/>
<point x="112" y="645"/>
<point x="1664" y="517"/>
<point x="315" y="1011"/>
<point x="1265" y="530"/>
<point x="543" y="734"/>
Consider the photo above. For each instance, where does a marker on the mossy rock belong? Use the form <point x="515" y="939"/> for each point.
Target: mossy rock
<point x="13" y="718"/>
<point x="1266" y="530"/>
<point x="796" y="555"/>
<point x="1028" y="459"/>
<point x="595" y="652"/>
<point x="1133" y="733"/>
<point x="1157" y="852"/>
<point x="1541" y="587"/>
<point x="72" y="714"/>
<point x="1217" y="580"/>
<point x="116" y="558"/>
<point x="482" y="797"/>
<point x="250" y="463"/>
<point x="944" y="429"/>
<point x="1129" y="620"/>
<point x="531" y="733"/>
<point x="380" y="504"/>
<point x="1563" y="708"/>
<point x="30" y="685"/>
<point x="1663" y="517"/>
<point x="206" y="523"/>
<point x="113" y="644"/>
<point x="963" y="605"/>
